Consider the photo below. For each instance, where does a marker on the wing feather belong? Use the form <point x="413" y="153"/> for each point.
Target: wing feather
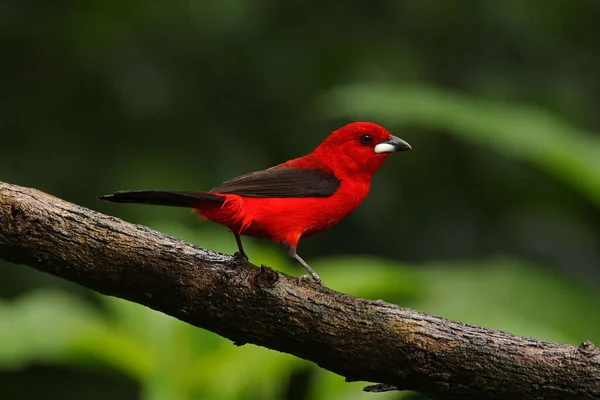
<point x="281" y="182"/>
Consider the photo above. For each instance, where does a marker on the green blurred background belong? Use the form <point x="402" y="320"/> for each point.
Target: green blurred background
<point x="492" y="219"/>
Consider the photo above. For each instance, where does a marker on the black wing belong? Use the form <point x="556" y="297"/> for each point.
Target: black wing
<point x="282" y="182"/>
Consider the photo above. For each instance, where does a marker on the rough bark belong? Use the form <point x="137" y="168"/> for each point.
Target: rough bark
<point x="359" y="339"/>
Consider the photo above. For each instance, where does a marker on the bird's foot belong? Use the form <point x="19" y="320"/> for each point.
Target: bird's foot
<point x="308" y="279"/>
<point x="239" y="256"/>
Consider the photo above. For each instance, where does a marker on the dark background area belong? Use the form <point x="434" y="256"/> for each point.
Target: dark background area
<point x="492" y="219"/>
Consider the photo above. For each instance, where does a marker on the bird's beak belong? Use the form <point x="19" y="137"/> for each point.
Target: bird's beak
<point x="392" y="144"/>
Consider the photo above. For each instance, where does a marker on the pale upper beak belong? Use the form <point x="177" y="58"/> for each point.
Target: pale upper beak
<point x="392" y="144"/>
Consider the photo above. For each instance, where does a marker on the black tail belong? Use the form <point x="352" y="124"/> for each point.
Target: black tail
<point x="162" y="197"/>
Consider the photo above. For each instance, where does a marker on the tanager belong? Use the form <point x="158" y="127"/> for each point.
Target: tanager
<point x="293" y="200"/>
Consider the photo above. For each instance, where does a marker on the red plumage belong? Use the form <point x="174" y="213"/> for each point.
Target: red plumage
<point x="296" y="199"/>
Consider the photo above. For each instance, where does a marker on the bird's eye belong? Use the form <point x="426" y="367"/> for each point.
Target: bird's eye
<point x="366" y="139"/>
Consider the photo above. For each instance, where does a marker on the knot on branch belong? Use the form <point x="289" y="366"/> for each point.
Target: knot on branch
<point x="266" y="277"/>
<point x="379" y="388"/>
<point x="588" y="350"/>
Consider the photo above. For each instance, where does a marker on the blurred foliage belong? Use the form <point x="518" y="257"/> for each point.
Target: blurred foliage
<point x="493" y="218"/>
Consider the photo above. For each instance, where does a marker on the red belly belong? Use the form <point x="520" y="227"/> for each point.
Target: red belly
<point x="280" y="219"/>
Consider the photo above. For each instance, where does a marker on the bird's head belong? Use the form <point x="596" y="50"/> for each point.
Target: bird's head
<point x="359" y="147"/>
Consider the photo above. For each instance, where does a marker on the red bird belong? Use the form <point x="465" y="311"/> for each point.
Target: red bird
<point x="293" y="200"/>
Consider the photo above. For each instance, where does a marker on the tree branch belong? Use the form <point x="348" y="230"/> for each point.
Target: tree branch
<point x="359" y="339"/>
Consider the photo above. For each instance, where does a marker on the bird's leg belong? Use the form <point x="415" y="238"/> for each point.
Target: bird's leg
<point x="241" y="251"/>
<point x="292" y="253"/>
